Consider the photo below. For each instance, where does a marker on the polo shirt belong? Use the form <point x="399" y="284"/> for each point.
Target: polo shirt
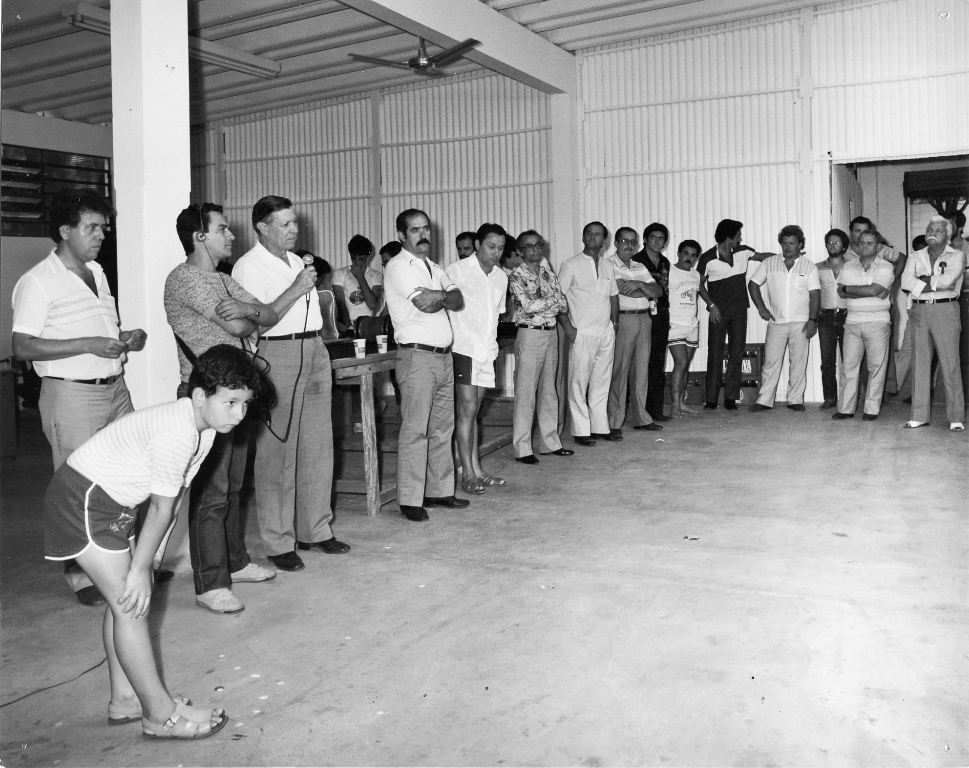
<point x="946" y="274"/>
<point x="266" y="277"/>
<point x="154" y="450"/>
<point x="829" y="288"/>
<point x="726" y="281"/>
<point x="588" y="291"/>
<point x="403" y="276"/>
<point x="51" y="302"/>
<point x="788" y="289"/>
<point x="635" y="271"/>
<point x="475" y="325"/>
<point x="868" y="309"/>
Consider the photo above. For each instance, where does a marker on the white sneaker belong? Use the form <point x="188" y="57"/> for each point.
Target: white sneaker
<point x="220" y="601"/>
<point x="252" y="573"/>
<point x="957" y="426"/>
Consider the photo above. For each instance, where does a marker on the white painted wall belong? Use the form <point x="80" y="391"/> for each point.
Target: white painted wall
<point x="18" y="254"/>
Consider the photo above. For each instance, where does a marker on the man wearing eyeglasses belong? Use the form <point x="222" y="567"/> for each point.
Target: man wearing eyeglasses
<point x="630" y="366"/>
<point x="540" y="300"/>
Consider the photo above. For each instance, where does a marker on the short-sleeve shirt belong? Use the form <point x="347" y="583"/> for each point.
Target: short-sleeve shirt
<point x="683" y="289"/>
<point x="726" y="281"/>
<point x="635" y="271"/>
<point x="589" y="293"/>
<point x="404" y="275"/>
<point x="475" y="325"/>
<point x="829" y="288"/>
<point x="945" y="276"/>
<point x="788" y="290"/>
<point x="868" y="309"/>
<point x="356" y="303"/>
<point x="155" y="450"/>
<point x="266" y="277"/>
<point x="539" y="297"/>
<point x="190" y="294"/>
<point x="51" y="302"/>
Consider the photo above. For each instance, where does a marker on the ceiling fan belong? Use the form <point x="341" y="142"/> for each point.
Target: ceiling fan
<point x="423" y="64"/>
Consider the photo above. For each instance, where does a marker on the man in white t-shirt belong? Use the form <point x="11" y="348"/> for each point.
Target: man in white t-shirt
<point x="358" y="288"/>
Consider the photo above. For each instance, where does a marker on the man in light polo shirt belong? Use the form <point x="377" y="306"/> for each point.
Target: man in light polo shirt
<point x="66" y="323"/>
<point x="589" y="284"/>
<point x="630" y="367"/>
<point x="294" y="451"/>
<point x="866" y="283"/>
<point x="418" y="291"/>
<point x="933" y="277"/>
<point x="794" y="290"/>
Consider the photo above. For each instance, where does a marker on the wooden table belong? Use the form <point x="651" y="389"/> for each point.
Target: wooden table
<point x="361" y="370"/>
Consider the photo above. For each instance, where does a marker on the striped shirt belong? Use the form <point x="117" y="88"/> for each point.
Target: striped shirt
<point x="51" y="302"/>
<point x="788" y="289"/>
<point x="156" y="450"/>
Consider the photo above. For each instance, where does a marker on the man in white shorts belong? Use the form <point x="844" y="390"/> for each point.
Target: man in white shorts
<point x="683" y="288"/>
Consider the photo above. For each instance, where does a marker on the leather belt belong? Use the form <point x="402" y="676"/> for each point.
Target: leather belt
<point x="633" y="311"/>
<point x="100" y="382"/>
<point x="934" y="301"/>
<point x="294" y="336"/>
<point x="425" y="348"/>
<point x="829" y="312"/>
<point x="537" y="327"/>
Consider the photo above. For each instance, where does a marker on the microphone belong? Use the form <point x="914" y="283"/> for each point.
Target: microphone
<point x="308" y="260"/>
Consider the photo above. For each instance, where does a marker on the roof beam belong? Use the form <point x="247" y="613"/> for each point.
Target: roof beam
<point x="506" y="47"/>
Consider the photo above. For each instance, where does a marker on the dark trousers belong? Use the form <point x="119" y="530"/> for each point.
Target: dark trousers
<point x="657" y="364"/>
<point x="831" y="334"/>
<point x="734" y="326"/>
<point x="964" y="342"/>
<point x="216" y="540"/>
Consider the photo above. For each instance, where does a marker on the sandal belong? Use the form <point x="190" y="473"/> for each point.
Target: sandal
<point x="491" y="480"/>
<point x="472" y="485"/>
<point x="122" y="714"/>
<point x="179" y="726"/>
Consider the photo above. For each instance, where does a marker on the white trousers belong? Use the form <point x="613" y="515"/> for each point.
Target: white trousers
<point x="783" y="337"/>
<point x="590" y="373"/>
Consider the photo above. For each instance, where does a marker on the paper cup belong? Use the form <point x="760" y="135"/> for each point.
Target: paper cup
<point x="360" y="347"/>
<point x="382" y="343"/>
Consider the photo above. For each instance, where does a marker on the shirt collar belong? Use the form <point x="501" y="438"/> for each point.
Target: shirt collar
<point x="57" y="265"/>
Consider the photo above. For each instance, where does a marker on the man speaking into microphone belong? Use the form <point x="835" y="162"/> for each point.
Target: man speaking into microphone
<point x="294" y="450"/>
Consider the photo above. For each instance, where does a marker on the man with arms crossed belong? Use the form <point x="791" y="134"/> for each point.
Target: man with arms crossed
<point x="66" y="323"/>
<point x="294" y="451"/>
<point x="417" y="292"/>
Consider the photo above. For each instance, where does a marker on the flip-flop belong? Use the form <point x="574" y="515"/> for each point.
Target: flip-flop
<point x="122" y="714"/>
<point x="491" y="480"/>
<point x="915" y="424"/>
<point x="472" y="485"/>
<point x="181" y="727"/>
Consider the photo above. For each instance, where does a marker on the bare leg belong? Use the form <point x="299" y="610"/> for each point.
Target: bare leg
<point x="475" y="443"/>
<point x="678" y="378"/>
<point x="466" y="397"/>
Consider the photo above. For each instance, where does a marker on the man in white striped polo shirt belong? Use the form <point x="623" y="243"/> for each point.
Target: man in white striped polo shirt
<point x="66" y="323"/>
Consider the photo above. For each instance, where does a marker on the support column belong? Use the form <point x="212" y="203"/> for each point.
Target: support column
<point x="152" y="178"/>
<point x="566" y="227"/>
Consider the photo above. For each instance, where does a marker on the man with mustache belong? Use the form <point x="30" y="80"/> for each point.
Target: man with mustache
<point x="417" y="292"/>
<point x="933" y="277"/>
<point x="294" y="449"/>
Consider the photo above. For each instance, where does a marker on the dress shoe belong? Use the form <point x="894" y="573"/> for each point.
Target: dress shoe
<point x="730" y="405"/>
<point x="331" y="546"/>
<point x="529" y="459"/>
<point x="446" y="501"/>
<point x="163" y="575"/>
<point x="252" y="574"/>
<point x="220" y="601"/>
<point x="869" y="417"/>
<point x="649" y="427"/>
<point x="708" y="406"/>
<point x="607" y="436"/>
<point x="588" y="442"/>
<point x="417" y="514"/>
<point x="90" y="596"/>
<point x="759" y="407"/>
<point x="827" y="405"/>
<point x="288" y="561"/>
<point x="796" y="407"/>
<point x="839" y="416"/>
<point x="915" y="424"/>
<point x="559" y="452"/>
<point x="616" y="434"/>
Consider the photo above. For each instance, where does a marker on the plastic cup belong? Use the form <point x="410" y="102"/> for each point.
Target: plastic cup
<point x="360" y="347"/>
<point x="382" y="343"/>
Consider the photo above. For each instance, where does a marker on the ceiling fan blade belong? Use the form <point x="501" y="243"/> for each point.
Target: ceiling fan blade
<point x="434" y="72"/>
<point x="380" y="62"/>
<point x="452" y="54"/>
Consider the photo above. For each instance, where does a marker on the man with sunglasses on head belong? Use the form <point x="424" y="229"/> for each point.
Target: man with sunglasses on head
<point x="206" y="307"/>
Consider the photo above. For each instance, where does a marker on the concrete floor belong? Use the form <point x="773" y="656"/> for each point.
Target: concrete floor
<point x="753" y="590"/>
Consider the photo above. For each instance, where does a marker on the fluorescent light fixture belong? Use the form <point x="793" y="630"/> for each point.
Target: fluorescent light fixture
<point x="94" y="19"/>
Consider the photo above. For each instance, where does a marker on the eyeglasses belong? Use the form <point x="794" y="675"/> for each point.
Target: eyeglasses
<point x="533" y="246"/>
<point x="627" y="240"/>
